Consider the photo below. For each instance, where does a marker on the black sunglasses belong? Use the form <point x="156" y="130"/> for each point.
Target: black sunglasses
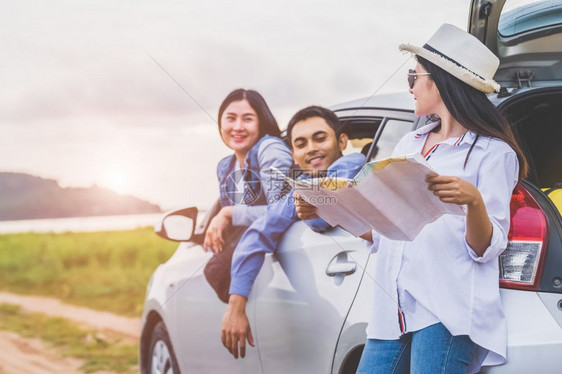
<point x="412" y="76"/>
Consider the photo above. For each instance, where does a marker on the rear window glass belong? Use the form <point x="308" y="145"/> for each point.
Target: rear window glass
<point x="519" y="16"/>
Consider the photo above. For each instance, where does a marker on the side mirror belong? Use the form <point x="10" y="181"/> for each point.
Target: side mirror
<point x="177" y="225"/>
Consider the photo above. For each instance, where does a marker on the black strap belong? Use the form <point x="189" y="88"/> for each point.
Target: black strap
<point x="557" y="186"/>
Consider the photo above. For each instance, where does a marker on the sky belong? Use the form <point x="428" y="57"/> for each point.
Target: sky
<point x="124" y="94"/>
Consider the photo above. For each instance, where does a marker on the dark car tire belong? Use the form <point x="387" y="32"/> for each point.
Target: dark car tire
<point x="161" y="356"/>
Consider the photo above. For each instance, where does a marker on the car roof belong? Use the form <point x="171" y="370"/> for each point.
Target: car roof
<point x="395" y="101"/>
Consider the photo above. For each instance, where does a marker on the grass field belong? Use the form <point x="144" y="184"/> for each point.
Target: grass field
<point x="101" y="270"/>
<point x="98" y="351"/>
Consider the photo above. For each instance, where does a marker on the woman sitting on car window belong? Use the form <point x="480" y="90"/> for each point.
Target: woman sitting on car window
<point x="437" y="305"/>
<point x="247" y="126"/>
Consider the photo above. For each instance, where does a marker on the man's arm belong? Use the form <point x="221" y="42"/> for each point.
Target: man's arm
<point x="307" y="212"/>
<point x="262" y="237"/>
<point x="345" y="167"/>
<point x="236" y="327"/>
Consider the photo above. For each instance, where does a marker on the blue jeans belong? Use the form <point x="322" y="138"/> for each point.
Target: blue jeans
<point x="431" y="350"/>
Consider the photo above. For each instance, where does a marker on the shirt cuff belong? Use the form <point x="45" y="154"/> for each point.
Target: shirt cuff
<point x="240" y="287"/>
<point x="318" y="225"/>
<point x="245" y="215"/>
<point x="374" y="245"/>
<point x="496" y="247"/>
<point x="239" y="213"/>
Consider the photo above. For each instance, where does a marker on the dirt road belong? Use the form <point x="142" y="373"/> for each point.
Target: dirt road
<point x="129" y="327"/>
<point x="20" y="355"/>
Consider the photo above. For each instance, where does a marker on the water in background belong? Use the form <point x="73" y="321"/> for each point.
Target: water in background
<point x="104" y="223"/>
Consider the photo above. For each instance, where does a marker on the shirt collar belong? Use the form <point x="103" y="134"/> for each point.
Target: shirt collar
<point x="425" y="129"/>
<point x="467" y="138"/>
<point x="346" y="164"/>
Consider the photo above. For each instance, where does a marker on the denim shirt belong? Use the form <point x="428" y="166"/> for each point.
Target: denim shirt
<point x="259" y="188"/>
<point x="264" y="235"/>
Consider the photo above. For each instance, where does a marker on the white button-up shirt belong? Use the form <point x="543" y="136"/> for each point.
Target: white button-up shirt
<point x="437" y="277"/>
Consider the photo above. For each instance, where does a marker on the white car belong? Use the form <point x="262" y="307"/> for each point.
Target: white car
<point x="310" y="303"/>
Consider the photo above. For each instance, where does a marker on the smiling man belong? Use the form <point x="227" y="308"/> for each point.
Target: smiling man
<point x="317" y="144"/>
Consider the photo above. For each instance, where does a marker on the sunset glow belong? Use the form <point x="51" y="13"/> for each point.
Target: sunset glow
<point x="117" y="180"/>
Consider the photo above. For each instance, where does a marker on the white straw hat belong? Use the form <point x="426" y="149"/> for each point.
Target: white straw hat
<point x="462" y="55"/>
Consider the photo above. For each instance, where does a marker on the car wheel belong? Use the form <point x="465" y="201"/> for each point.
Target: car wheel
<point x="161" y="354"/>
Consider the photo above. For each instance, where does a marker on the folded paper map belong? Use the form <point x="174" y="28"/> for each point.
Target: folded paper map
<point x="389" y="196"/>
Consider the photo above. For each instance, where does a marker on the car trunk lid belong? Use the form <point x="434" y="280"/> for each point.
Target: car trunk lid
<point x="526" y="35"/>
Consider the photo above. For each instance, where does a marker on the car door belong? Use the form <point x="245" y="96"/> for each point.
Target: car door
<point x="197" y="313"/>
<point x="302" y="296"/>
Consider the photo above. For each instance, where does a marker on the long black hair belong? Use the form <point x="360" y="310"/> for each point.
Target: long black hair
<point x="266" y="122"/>
<point x="474" y="111"/>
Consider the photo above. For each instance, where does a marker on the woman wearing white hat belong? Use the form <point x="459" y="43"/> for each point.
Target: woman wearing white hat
<point x="437" y="306"/>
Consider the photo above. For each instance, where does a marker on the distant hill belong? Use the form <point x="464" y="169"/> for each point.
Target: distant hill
<point x="24" y="196"/>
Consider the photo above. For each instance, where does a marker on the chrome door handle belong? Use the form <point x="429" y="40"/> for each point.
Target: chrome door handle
<point x="340" y="265"/>
<point x="345" y="268"/>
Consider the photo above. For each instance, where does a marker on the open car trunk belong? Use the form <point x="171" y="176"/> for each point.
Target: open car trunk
<point x="525" y="35"/>
<point x="536" y="117"/>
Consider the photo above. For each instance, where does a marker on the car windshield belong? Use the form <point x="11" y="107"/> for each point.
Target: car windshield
<point x="519" y="16"/>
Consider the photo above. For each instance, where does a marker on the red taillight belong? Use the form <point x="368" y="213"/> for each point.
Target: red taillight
<point x="522" y="262"/>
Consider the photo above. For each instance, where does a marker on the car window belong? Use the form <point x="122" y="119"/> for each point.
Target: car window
<point x="357" y="145"/>
<point x="391" y="134"/>
<point x="519" y="16"/>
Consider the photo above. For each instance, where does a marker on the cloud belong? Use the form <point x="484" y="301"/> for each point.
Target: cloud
<point x="83" y="58"/>
<point x="81" y="92"/>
